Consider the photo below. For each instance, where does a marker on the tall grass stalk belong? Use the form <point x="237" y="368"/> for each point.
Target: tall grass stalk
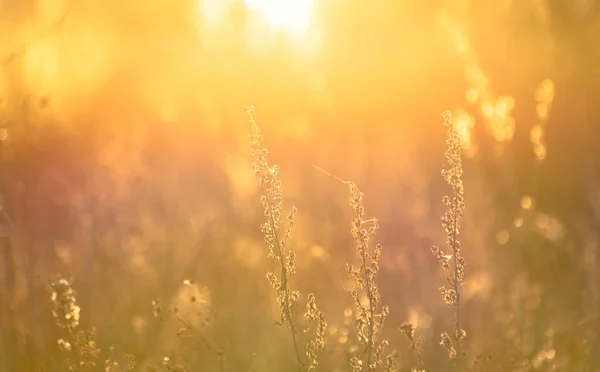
<point x="272" y="202"/>
<point x="370" y="312"/>
<point x="451" y="222"/>
<point x="81" y="345"/>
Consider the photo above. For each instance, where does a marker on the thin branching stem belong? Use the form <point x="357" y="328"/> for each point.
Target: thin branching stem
<point x="369" y="291"/>
<point x="288" y="299"/>
<point x="271" y="199"/>
<point x="451" y="222"/>
<point x="455" y="253"/>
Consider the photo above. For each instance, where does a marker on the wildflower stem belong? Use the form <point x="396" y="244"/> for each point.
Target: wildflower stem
<point x="369" y="321"/>
<point x="74" y="347"/>
<point x="456" y="283"/>
<point x="271" y="199"/>
<point x="288" y="310"/>
<point x="451" y="221"/>
<point x="456" y="209"/>
<point x="370" y="341"/>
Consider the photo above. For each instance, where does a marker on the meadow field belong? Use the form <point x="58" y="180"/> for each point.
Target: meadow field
<point x="299" y="185"/>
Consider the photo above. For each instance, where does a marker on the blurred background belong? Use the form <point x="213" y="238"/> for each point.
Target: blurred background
<point x="125" y="163"/>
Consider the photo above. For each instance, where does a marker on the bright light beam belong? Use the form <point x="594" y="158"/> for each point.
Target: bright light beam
<point x="293" y="16"/>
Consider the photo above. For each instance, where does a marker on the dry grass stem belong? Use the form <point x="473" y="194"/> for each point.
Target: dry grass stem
<point x="451" y="222"/>
<point x="270" y="184"/>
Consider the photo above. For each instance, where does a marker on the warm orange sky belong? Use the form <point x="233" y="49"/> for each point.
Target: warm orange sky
<point x="312" y="68"/>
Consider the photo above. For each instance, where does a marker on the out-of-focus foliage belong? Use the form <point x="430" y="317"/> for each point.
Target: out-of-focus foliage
<point x="125" y="163"/>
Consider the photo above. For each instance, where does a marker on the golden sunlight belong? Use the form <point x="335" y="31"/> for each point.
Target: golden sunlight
<point x="293" y="16"/>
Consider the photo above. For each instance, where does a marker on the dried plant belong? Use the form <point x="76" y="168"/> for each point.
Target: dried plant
<point x="392" y="361"/>
<point x="316" y="345"/>
<point x="112" y="363"/>
<point x="80" y="344"/>
<point x="451" y="222"/>
<point x="370" y="313"/>
<point x="187" y="330"/>
<point x="174" y="364"/>
<point x="416" y="346"/>
<point x="270" y="185"/>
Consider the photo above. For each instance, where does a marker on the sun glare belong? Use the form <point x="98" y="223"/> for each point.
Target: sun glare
<point x="294" y="16"/>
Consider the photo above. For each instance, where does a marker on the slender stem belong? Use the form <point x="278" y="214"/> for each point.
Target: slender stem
<point x="371" y="316"/>
<point x="456" y="280"/>
<point x="72" y="339"/>
<point x="287" y="310"/>
<point x="363" y="244"/>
